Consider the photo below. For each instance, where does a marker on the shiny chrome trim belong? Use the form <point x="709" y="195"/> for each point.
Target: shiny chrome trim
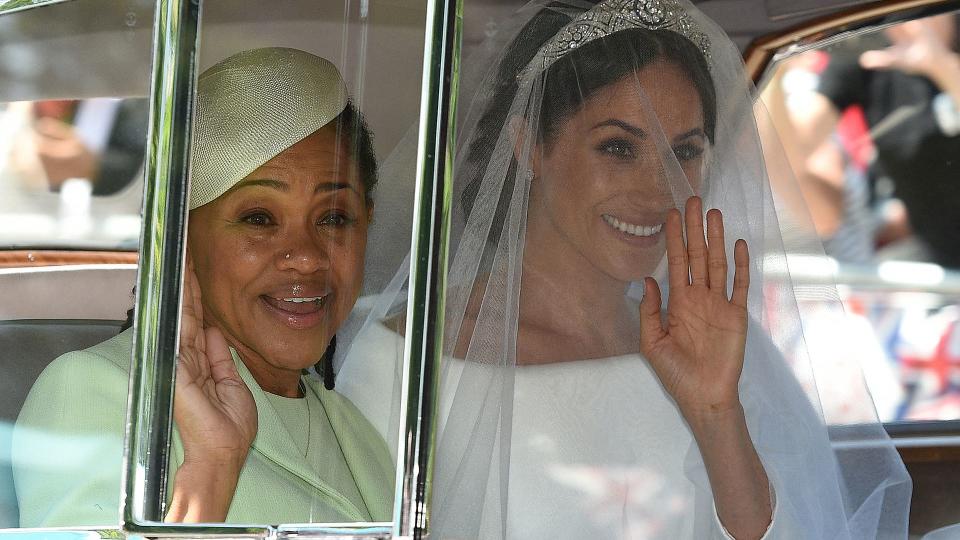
<point x="13" y="6"/>
<point x="760" y="53"/>
<point x="947" y="441"/>
<point x="928" y="442"/>
<point x="159" y="280"/>
<point x="347" y="531"/>
<point x="63" y="533"/>
<point x="66" y="268"/>
<point x="428" y="267"/>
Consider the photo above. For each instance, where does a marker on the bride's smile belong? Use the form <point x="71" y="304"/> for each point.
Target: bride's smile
<point x="632" y="229"/>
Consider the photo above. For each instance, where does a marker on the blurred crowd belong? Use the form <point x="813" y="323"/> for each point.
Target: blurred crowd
<point x="871" y="128"/>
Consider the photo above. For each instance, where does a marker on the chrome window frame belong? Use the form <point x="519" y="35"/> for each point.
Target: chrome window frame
<point x="159" y="283"/>
<point x="11" y="6"/>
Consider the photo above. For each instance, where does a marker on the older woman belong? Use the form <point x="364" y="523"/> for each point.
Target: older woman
<point x="283" y="170"/>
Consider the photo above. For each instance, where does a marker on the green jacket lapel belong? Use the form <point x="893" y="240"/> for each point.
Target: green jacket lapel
<point x="275" y="443"/>
<point x="365" y="452"/>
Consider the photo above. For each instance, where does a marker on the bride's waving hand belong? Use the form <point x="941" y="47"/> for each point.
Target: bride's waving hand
<point x="698" y="353"/>
<point x="698" y="356"/>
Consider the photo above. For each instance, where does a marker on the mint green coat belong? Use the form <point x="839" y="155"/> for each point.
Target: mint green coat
<point x="68" y="446"/>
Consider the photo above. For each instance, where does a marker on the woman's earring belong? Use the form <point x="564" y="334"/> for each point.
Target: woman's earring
<point x="528" y="174"/>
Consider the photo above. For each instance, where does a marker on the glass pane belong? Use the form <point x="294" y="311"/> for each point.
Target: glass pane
<point x="73" y="118"/>
<point x="871" y="127"/>
<point x="73" y="130"/>
<point x="300" y="215"/>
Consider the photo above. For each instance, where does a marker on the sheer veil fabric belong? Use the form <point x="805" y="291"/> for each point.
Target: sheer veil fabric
<point x="581" y="124"/>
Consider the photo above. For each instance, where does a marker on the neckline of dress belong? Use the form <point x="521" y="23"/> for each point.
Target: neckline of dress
<point x="531" y="367"/>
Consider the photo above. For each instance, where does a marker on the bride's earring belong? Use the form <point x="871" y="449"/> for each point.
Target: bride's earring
<point x="528" y="174"/>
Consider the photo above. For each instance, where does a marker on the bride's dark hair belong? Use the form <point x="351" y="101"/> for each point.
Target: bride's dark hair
<point x="572" y="80"/>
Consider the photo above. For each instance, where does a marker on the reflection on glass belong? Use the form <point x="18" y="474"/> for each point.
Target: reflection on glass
<point x="70" y="172"/>
<point x="871" y="127"/>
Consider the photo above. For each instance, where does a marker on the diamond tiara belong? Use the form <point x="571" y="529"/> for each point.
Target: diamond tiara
<point x="613" y="16"/>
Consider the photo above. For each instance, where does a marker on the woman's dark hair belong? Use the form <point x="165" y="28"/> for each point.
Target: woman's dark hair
<point x="573" y="79"/>
<point x="359" y="141"/>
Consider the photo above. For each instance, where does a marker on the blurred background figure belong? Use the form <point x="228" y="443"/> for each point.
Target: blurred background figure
<point x="61" y="158"/>
<point x="871" y="127"/>
<point x="908" y="89"/>
<point x="101" y="140"/>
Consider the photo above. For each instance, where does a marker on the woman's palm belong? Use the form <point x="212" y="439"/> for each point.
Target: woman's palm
<point x="698" y="353"/>
<point x="214" y="410"/>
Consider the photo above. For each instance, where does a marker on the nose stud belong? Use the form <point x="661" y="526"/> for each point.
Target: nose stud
<point x="287" y="256"/>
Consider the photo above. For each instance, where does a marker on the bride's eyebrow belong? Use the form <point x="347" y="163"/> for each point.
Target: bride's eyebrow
<point x="629" y="128"/>
<point x="698" y="132"/>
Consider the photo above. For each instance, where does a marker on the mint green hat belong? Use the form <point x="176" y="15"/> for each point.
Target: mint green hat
<point x="254" y="105"/>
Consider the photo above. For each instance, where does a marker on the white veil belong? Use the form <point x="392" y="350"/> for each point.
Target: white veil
<point x="585" y="442"/>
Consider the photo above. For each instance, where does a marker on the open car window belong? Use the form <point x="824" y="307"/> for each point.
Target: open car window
<point x="73" y="111"/>
<point x="870" y="131"/>
<point x="74" y="124"/>
<point x="869" y="127"/>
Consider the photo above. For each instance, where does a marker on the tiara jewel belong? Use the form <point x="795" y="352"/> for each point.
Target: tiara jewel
<point x="612" y="16"/>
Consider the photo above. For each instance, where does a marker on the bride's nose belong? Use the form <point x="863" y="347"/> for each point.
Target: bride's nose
<point x="653" y="186"/>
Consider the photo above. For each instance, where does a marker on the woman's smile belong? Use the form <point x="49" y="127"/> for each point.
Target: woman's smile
<point x="636" y="232"/>
<point x="297" y="312"/>
<point x="601" y="187"/>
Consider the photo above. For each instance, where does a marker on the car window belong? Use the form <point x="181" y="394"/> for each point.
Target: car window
<point x="73" y="113"/>
<point x="76" y="170"/>
<point x="294" y="227"/>
<point x="73" y="118"/>
<point x="870" y="126"/>
<point x="291" y="240"/>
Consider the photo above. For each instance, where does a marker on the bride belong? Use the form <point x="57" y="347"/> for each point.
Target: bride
<point x="615" y="368"/>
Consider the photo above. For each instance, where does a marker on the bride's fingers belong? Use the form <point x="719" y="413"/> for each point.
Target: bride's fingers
<point x="677" y="267"/>
<point x="651" y="327"/>
<point x="696" y="244"/>
<point x="741" y="275"/>
<point x="717" y="258"/>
